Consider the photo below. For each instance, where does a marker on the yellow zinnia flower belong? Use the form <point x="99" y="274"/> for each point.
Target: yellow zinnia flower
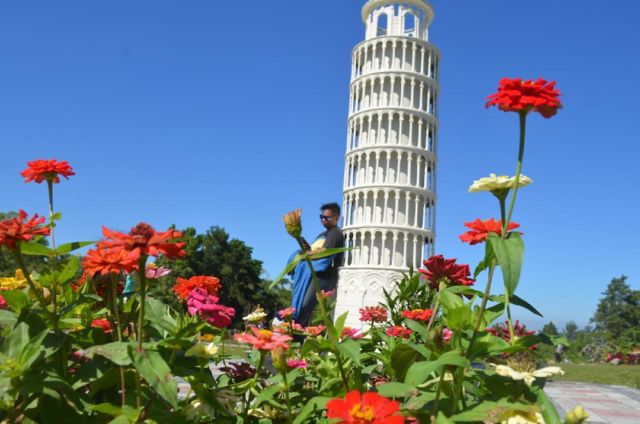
<point x="12" y="283"/>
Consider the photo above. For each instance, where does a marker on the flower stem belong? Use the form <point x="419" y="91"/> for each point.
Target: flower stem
<point x="54" y="257"/>
<point x="434" y="409"/>
<point x="436" y="309"/>
<point x="483" y="305"/>
<point x="116" y="314"/>
<point x="143" y="287"/>
<point x="286" y="394"/>
<point x="263" y="354"/>
<point x="523" y="128"/>
<point x="32" y="286"/>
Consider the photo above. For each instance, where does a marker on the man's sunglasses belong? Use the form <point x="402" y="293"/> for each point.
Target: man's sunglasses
<point x="325" y="217"/>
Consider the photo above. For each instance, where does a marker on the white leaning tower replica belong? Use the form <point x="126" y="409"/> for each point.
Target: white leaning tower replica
<point x="390" y="163"/>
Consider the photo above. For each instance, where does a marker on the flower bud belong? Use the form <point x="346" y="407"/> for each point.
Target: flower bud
<point x="279" y="361"/>
<point x="293" y="224"/>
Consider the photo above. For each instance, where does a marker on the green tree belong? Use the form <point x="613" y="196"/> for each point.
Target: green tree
<point x="550" y="329"/>
<point x="214" y="253"/>
<point x="8" y="263"/>
<point x="571" y="330"/>
<point x="618" y="313"/>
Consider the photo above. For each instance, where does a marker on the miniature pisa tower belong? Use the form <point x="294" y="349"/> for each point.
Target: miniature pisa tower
<point x="390" y="164"/>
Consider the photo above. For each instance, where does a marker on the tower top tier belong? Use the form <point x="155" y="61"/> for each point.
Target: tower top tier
<point x="408" y="18"/>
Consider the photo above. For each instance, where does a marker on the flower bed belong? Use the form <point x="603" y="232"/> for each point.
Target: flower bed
<point x="100" y="349"/>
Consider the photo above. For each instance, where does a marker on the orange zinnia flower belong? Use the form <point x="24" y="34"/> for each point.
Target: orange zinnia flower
<point x="398" y="331"/>
<point x="47" y="170"/>
<point x="366" y="408"/>
<point x="109" y="261"/>
<point x="147" y="241"/>
<point x="264" y="339"/>
<point x="516" y="95"/>
<point x="481" y="229"/>
<point x="184" y="286"/>
<point x="14" y="231"/>
<point x="418" y="314"/>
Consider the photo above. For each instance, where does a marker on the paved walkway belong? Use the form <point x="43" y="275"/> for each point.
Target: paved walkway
<point x="604" y="404"/>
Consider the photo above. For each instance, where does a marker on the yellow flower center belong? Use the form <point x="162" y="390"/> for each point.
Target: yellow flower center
<point x="265" y="335"/>
<point x="362" y="413"/>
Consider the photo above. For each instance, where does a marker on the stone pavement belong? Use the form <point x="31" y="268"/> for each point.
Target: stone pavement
<point x="604" y="404"/>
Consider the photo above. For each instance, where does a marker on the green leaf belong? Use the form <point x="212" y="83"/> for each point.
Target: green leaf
<point x="69" y="269"/>
<point x="449" y="299"/>
<point x="401" y="359"/>
<point x="328" y="252"/>
<point x="486" y="262"/>
<point x="56" y="216"/>
<point x="515" y="300"/>
<point x="7" y="318"/>
<point x="510" y="253"/>
<point x="489" y="411"/>
<point x="395" y="389"/>
<point x="70" y="247"/>
<point x="351" y="349"/>
<point x="420" y="371"/>
<point x="315" y="404"/>
<point x="290" y="266"/>
<point x="35" y="249"/>
<point x="548" y="411"/>
<point x="418" y="328"/>
<point x="156" y="313"/>
<point x="459" y="318"/>
<point x="16" y="299"/>
<point x="106" y="408"/>
<point x="155" y="370"/>
<point x="339" y="324"/>
<point x="267" y="393"/>
<point x="116" y="352"/>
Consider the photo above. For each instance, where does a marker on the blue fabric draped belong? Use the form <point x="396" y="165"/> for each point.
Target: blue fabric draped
<point x="302" y="278"/>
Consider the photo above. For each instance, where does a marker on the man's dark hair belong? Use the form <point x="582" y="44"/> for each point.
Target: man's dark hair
<point x="333" y="207"/>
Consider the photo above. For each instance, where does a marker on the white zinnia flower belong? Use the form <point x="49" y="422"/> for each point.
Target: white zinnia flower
<point x="527" y="377"/>
<point x="201" y="350"/>
<point x="520" y="417"/>
<point x="495" y="182"/>
<point x="256" y="316"/>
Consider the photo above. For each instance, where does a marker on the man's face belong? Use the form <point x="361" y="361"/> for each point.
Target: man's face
<point x="328" y="219"/>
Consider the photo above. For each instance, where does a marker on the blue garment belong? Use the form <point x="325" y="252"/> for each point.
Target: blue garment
<point x="129" y="286"/>
<point x="302" y="279"/>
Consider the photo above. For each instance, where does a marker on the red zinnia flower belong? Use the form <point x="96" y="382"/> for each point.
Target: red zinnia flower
<point x="373" y="314"/>
<point x="418" y="314"/>
<point x="399" y="331"/>
<point x="445" y="271"/>
<point x="3" y="303"/>
<point x="516" y="95"/>
<point x="47" y="170"/>
<point x="104" y="324"/>
<point x="109" y="261"/>
<point x="147" y="241"/>
<point x="14" y="231"/>
<point x="519" y="330"/>
<point x="184" y="286"/>
<point x="366" y="408"/>
<point x="264" y="339"/>
<point x="481" y="229"/>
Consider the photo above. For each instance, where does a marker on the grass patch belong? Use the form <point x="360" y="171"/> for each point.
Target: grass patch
<point x="621" y="375"/>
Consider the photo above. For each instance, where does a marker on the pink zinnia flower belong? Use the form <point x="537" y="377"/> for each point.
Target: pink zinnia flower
<point x="447" y="335"/>
<point x="399" y="331"/>
<point x="296" y="363"/>
<point x="286" y="312"/>
<point x="373" y="314"/>
<point x="206" y="306"/>
<point x="264" y="339"/>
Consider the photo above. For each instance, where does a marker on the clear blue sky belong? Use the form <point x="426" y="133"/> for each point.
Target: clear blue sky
<point x="200" y="113"/>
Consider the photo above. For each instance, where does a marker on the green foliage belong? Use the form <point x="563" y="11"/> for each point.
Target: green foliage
<point x="550" y="329"/>
<point x="618" y="313"/>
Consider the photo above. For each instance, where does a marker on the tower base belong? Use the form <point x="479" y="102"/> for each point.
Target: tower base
<point x="358" y="288"/>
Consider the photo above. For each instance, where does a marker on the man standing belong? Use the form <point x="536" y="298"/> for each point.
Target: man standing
<point x="330" y="238"/>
